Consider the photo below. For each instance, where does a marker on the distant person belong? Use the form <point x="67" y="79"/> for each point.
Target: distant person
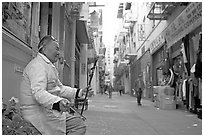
<point x="106" y="90"/>
<point x="120" y="91"/>
<point x="139" y="96"/>
<point x="110" y="89"/>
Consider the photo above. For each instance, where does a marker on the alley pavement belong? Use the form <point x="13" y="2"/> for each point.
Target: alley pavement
<point x="121" y="115"/>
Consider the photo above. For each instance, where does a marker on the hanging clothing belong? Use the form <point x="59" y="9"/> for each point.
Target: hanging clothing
<point x="184" y="89"/>
<point x="191" y="101"/>
<point x="200" y="89"/>
<point x="184" y="53"/>
<point x="180" y="91"/>
<point x="198" y="69"/>
<point x="187" y="53"/>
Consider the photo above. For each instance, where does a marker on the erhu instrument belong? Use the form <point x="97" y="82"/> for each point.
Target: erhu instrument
<point x="89" y="83"/>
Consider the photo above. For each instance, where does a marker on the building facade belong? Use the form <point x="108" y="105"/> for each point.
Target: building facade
<point x="163" y="36"/>
<point x="25" y="23"/>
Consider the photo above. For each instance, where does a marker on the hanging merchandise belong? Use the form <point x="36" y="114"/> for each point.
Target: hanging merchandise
<point x="171" y="79"/>
<point x="200" y="90"/>
<point x="190" y="82"/>
<point x="180" y="90"/>
<point x="198" y="65"/>
<point x="193" y="68"/>
<point x="187" y="53"/>
<point x="184" y="53"/>
<point x="166" y="61"/>
<point x="184" y="89"/>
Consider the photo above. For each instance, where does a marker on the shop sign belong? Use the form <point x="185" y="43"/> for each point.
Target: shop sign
<point x="186" y="22"/>
<point x="84" y="13"/>
<point x="91" y="53"/>
<point x="141" y="32"/>
<point x="94" y="19"/>
<point x="157" y="43"/>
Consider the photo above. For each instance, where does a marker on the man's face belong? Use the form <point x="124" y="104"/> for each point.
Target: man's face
<point x="52" y="51"/>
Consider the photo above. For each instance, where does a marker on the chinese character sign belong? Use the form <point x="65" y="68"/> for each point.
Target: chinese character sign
<point x="141" y="32"/>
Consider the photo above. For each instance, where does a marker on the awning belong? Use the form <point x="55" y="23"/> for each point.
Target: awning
<point x="81" y="32"/>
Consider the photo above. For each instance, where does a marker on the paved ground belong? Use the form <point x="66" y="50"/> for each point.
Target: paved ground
<point x="121" y="116"/>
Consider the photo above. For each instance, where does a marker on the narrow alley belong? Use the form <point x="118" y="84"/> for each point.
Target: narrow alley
<point x="121" y="116"/>
<point x="116" y="53"/>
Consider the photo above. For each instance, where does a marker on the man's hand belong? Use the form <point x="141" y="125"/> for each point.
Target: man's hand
<point x="83" y="91"/>
<point x="65" y="105"/>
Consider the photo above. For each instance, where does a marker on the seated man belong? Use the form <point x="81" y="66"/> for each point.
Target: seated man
<point x="44" y="99"/>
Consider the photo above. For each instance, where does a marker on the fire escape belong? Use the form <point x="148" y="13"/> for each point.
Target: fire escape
<point x="162" y="10"/>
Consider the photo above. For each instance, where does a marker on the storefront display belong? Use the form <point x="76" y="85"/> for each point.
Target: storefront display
<point x="175" y="52"/>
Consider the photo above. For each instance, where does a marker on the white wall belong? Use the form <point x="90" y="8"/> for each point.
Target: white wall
<point x="15" y="57"/>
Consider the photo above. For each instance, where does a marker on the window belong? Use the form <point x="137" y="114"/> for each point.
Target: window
<point x="16" y="17"/>
<point x="50" y="19"/>
<point x="45" y="20"/>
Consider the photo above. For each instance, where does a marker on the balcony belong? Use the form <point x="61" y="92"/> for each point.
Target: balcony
<point x="162" y="10"/>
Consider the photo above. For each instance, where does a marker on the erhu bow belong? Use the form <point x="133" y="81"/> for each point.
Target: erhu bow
<point x="89" y="83"/>
<point x="72" y="107"/>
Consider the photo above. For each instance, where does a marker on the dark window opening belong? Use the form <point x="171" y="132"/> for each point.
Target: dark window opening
<point x="49" y="31"/>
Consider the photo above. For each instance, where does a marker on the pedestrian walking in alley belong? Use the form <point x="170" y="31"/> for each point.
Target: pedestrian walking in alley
<point x="44" y="99"/>
<point x="110" y="90"/>
<point x="106" y="90"/>
<point x="120" y="91"/>
<point x="139" y="96"/>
